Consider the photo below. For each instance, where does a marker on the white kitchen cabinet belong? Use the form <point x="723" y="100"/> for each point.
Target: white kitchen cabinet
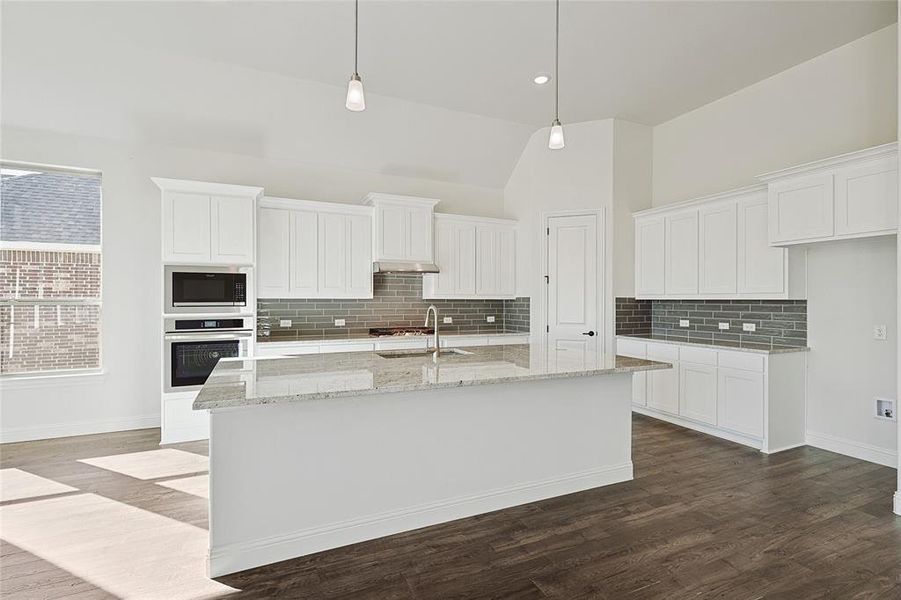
<point x="635" y="349"/>
<point x="697" y="392"/>
<point x="842" y="197"/>
<point x="663" y="385"/>
<point x="717" y="248"/>
<point x="313" y="250"/>
<point x="476" y="258"/>
<point x="649" y="257"/>
<point x="761" y="267"/>
<point x="207" y="223"/>
<point x="403" y="227"/>
<point x="740" y="399"/>
<point x="681" y="242"/>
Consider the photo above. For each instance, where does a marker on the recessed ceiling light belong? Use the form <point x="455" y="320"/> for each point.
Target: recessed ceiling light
<point x="541" y="79"/>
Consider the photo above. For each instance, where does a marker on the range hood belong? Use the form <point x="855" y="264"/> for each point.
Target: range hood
<point x="384" y="266"/>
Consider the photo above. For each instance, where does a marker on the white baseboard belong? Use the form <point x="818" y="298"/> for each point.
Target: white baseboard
<point x="43" y="432"/>
<point x="232" y="558"/>
<point x="708" y="429"/>
<point x="854" y="449"/>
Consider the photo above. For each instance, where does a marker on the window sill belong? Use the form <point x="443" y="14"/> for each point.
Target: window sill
<point x="31" y="380"/>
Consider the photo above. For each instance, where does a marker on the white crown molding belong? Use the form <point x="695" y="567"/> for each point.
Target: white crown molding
<point x="749" y="190"/>
<point x="884" y="151"/>
<point x="313" y="205"/>
<point x="206" y="187"/>
<point x="476" y="220"/>
<point x="374" y="198"/>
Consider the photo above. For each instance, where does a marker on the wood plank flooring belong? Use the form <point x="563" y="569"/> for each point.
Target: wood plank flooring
<point x="703" y="518"/>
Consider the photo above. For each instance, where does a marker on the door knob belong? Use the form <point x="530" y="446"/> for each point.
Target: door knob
<point x="588" y="333"/>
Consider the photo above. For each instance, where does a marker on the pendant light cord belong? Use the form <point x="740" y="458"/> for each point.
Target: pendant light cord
<point x="557" y="66"/>
<point x="356" y="31"/>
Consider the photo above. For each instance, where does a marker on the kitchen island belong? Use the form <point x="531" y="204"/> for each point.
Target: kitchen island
<point x="315" y="452"/>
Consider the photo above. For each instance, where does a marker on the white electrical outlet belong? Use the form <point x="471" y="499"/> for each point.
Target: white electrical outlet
<point x="683" y="323"/>
<point x="723" y="325"/>
<point x="284" y="323"/>
<point x="490" y="319"/>
<point x="339" y="322"/>
<point x="879" y="332"/>
<point x="752" y="327"/>
<point x="885" y="409"/>
<point x="447" y="320"/>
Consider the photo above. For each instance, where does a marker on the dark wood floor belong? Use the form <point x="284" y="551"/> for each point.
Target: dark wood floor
<point x="703" y="518"/>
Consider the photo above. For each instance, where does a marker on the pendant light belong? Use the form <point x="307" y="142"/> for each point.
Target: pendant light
<point x="555" y="140"/>
<point x="356" y="101"/>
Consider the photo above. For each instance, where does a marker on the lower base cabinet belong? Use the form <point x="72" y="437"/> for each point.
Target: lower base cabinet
<point x="750" y="398"/>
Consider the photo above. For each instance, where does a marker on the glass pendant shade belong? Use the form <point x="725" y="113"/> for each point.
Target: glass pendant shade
<point x="555" y="141"/>
<point x="356" y="101"/>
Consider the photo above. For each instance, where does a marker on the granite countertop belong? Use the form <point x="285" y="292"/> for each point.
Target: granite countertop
<point x="245" y="382"/>
<point x="756" y="348"/>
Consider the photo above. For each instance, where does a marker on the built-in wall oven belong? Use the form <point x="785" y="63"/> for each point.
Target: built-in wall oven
<point x="205" y="290"/>
<point x="193" y="346"/>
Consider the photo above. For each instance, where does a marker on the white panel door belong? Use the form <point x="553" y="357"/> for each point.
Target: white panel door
<point x="717" y="249"/>
<point x="273" y="268"/>
<point x="186" y="227"/>
<point x="333" y="255"/>
<point x="801" y="209"/>
<point x="359" y="256"/>
<point x="419" y="234"/>
<point x="866" y="198"/>
<point x="232" y="229"/>
<point x="486" y="261"/>
<point x="681" y="272"/>
<point x="394" y="234"/>
<point x="740" y="397"/>
<point x="572" y="290"/>
<point x="304" y="252"/>
<point x="761" y="267"/>
<point x="697" y="392"/>
<point x="506" y="257"/>
<point x="649" y="257"/>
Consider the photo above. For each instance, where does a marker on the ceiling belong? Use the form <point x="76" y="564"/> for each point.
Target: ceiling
<point x="643" y="61"/>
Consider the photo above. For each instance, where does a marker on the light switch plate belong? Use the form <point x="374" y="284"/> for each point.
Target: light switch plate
<point x="339" y="322"/>
<point x="284" y="323"/>
<point x="447" y="320"/>
<point x="723" y="325"/>
<point x="880" y="332"/>
<point x="683" y="323"/>
<point x="751" y="327"/>
<point x="489" y="319"/>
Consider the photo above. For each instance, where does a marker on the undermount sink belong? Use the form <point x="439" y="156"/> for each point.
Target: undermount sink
<point x="415" y="353"/>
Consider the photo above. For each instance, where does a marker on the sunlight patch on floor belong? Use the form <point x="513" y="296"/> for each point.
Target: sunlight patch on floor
<point x="151" y="464"/>
<point x="196" y="486"/>
<point x="127" y="551"/>
<point x="16" y="484"/>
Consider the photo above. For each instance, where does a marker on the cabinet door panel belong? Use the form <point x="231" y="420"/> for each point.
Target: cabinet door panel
<point x="464" y="249"/>
<point x="419" y="234"/>
<point x="232" y="229"/>
<point x="394" y="238"/>
<point x="866" y="198"/>
<point x="444" y="283"/>
<point x="487" y="261"/>
<point x="273" y="270"/>
<point x="333" y="255"/>
<point x="663" y="389"/>
<point x="186" y="227"/>
<point x="761" y="267"/>
<point x="304" y="254"/>
<point x="506" y="268"/>
<point x="359" y="256"/>
<point x="717" y="252"/>
<point x="649" y="257"/>
<point x="801" y="209"/>
<point x="681" y="272"/>
<point x="740" y="397"/>
<point x="697" y="392"/>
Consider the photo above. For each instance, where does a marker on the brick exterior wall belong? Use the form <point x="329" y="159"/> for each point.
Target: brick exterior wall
<point x="49" y="337"/>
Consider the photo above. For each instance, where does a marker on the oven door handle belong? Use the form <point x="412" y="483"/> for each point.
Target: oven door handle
<point x="194" y="337"/>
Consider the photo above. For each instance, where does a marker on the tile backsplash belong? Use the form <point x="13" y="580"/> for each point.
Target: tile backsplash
<point x="633" y="317"/>
<point x="397" y="301"/>
<point x="778" y="322"/>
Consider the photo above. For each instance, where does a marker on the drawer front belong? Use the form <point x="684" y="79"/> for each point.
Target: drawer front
<point x="663" y="352"/>
<point x="268" y="350"/>
<point x="505" y="340"/>
<point x="352" y="347"/>
<point x="458" y="341"/>
<point x="745" y="361"/>
<point x="404" y="343"/>
<point x="699" y="356"/>
<point x="631" y="348"/>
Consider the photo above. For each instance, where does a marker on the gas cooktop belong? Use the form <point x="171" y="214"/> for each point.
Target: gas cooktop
<point x="400" y="331"/>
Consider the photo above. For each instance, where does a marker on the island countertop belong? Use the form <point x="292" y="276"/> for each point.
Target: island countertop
<point x="245" y="382"/>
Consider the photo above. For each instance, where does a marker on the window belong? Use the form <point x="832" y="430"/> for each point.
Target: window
<point x="49" y="269"/>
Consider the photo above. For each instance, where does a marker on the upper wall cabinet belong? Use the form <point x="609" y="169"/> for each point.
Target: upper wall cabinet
<point x="207" y="223"/>
<point x="848" y="196"/>
<point x="714" y="247"/>
<point x="403" y="227"/>
<point x="313" y="250"/>
<point x="476" y="258"/>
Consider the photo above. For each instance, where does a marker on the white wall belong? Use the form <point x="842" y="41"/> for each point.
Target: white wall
<point x="841" y="101"/>
<point x="632" y="191"/>
<point x="127" y="395"/>
<point x="844" y="100"/>
<point x="851" y="288"/>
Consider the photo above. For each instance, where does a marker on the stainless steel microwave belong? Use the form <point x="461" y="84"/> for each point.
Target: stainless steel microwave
<point x="205" y="290"/>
